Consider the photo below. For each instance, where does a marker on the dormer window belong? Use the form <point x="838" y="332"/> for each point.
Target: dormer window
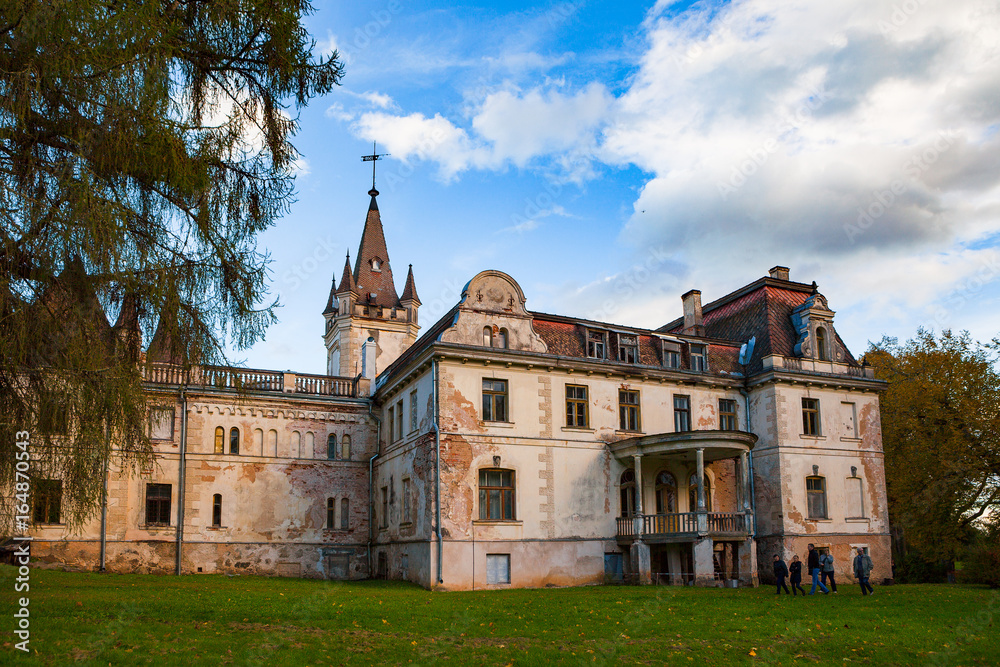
<point x="596" y="342"/>
<point x="699" y="360"/>
<point x="376" y="265"/>
<point x="821" y="350"/>
<point x="628" y="349"/>
<point x="671" y="354"/>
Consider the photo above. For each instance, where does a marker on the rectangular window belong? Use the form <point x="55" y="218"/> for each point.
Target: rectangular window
<point x="384" y="517"/>
<point x="161" y="424"/>
<point x="682" y="413"/>
<point x="345" y="513"/>
<point x="158" y="504"/>
<point x="496" y="495"/>
<point x="850" y="419"/>
<point x="576" y="406"/>
<point x="399" y="420"/>
<point x="699" y="360"/>
<point x="671" y="354"/>
<point x="497" y="568"/>
<point x="816" y="497"/>
<point x="855" y="499"/>
<point x="628" y="410"/>
<point x="331" y="513"/>
<point x="217" y="511"/>
<point x="53" y="414"/>
<point x="628" y="349"/>
<point x="727" y="414"/>
<point x="406" y="500"/>
<point x="596" y="344"/>
<point x="810" y="416"/>
<point x="46" y="499"/>
<point x="494" y="400"/>
<point x="413" y="411"/>
<point x="392" y="424"/>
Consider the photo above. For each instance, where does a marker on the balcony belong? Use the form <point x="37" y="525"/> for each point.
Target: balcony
<point x="250" y="380"/>
<point x="684" y="526"/>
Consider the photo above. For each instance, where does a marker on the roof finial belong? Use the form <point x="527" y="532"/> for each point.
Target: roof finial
<point x="373" y="158"/>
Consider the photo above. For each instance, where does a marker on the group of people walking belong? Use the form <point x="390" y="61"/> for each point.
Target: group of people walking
<point x="820" y="568"/>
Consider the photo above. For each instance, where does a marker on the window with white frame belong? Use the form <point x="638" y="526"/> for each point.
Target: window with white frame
<point x="497" y="568"/>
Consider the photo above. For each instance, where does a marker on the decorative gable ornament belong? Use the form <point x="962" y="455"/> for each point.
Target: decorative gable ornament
<point x="812" y="315"/>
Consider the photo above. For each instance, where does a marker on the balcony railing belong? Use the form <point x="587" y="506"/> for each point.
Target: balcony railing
<point x="247" y="379"/>
<point x="684" y="524"/>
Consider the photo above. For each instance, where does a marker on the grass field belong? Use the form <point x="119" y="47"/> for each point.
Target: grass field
<point x="208" y="619"/>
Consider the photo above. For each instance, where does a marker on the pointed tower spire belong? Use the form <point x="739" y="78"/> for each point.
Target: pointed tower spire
<point x="372" y="273"/>
<point x="410" y="290"/>
<point x="347" y="279"/>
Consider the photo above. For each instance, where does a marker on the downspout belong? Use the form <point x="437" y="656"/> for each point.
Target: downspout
<point x="180" y="480"/>
<point x="745" y="390"/>
<point x="104" y="501"/>
<point x="371" y="483"/>
<point x="437" y="470"/>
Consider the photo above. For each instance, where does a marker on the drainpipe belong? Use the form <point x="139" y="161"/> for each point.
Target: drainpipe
<point x="437" y="469"/>
<point x="104" y="501"/>
<point x="180" y="480"/>
<point x="745" y="390"/>
<point x="371" y="483"/>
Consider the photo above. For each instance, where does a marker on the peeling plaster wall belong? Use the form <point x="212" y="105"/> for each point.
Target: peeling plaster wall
<point x="850" y="436"/>
<point x="274" y="518"/>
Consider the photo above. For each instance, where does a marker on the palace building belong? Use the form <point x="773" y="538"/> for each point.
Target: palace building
<point x="506" y="447"/>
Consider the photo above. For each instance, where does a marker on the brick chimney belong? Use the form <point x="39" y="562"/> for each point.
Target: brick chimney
<point x="779" y="273"/>
<point x="692" y="313"/>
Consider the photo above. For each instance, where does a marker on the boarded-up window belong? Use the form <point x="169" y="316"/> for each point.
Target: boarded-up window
<point x="497" y="568"/>
<point x="855" y="501"/>
<point x="406" y="500"/>
<point x="345" y="514"/>
<point x="161" y="424"/>
<point x="850" y="414"/>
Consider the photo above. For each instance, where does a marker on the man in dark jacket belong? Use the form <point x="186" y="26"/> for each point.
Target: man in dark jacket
<point x="780" y="572"/>
<point x="813" y="564"/>
<point x="863" y="570"/>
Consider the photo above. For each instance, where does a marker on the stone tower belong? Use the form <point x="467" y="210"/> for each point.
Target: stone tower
<point x="365" y="305"/>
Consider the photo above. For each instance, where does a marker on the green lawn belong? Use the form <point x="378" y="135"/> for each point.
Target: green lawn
<point x="208" y="619"/>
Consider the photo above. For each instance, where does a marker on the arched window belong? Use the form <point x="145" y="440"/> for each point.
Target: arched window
<point x="345" y="447"/>
<point x="627" y="484"/>
<point x="821" y="351"/>
<point x="331" y="514"/>
<point x="220" y="440"/>
<point x="693" y="494"/>
<point x="502" y="339"/>
<point x="234" y="441"/>
<point x="666" y="493"/>
<point x="816" y="497"/>
<point x="496" y="495"/>
<point x="217" y="510"/>
<point x="488" y="336"/>
<point x="258" y="442"/>
<point x="331" y="446"/>
<point x="345" y="513"/>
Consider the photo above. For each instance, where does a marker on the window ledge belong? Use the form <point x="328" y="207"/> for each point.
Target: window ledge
<point x="405" y="524"/>
<point x="216" y="527"/>
<point x="629" y="433"/>
<point x="156" y="527"/>
<point x="820" y="520"/>
<point x="496" y="424"/>
<point x="578" y="429"/>
<point x="47" y="524"/>
<point x="857" y="519"/>
<point x="846" y="439"/>
<point x="812" y="437"/>
<point x="497" y="522"/>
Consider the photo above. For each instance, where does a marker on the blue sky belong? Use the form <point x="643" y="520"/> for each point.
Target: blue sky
<point x="611" y="156"/>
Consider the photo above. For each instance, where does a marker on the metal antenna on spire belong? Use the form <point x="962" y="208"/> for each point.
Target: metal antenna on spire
<point x="373" y="158"/>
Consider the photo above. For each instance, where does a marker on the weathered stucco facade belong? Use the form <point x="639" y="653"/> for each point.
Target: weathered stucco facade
<point x="507" y="447"/>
